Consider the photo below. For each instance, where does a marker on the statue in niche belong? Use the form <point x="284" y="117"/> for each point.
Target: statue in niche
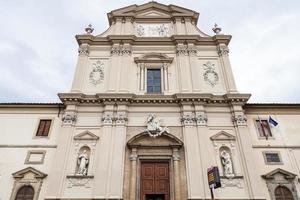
<point x="227" y="164"/>
<point x="82" y="163"/>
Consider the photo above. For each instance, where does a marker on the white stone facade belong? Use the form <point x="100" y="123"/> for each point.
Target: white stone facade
<point x="198" y="115"/>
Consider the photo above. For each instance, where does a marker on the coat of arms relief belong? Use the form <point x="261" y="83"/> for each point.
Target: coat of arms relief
<point x="97" y="74"/>
<point x="210" y="75"/>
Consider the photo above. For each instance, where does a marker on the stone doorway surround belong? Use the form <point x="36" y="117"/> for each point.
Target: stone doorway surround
<point x="165" y="148"/>
<point x="280" y="177"/>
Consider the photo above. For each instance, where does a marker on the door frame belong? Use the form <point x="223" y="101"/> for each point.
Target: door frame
<point x="155" y="159"/>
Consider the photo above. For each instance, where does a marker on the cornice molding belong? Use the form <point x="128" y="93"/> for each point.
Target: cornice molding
<point x="129" y="98"/>
<point x="133" y="40"/>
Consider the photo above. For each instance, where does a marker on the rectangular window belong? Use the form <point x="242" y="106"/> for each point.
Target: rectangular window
<point x="272" y="158"/>
<point x="153" y="81"/>
<point x="44" y="127"/>
<point x="263" y="128"/>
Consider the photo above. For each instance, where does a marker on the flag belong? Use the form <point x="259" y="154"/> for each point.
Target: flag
<point x="272" y="121"/>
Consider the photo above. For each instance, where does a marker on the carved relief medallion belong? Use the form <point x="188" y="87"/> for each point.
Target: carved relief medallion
<point x="210" y="75"/>
<point x="153" y="30"/>
<point x="97" y="73"/>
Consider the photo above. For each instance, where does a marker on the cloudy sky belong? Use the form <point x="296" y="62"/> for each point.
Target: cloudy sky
<point x="38" y="51"/>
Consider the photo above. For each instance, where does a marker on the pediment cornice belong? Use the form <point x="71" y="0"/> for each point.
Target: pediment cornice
<point x="37" y="174"/>
<point x="139" y="12"/>
<point x="284" y="173"/>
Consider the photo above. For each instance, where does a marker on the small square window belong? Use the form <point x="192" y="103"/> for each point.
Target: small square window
<point x="272" y="158"/>
<point x="44" y="127"/>
<point x="263" y="128"/>
<point x="35" y="157"/>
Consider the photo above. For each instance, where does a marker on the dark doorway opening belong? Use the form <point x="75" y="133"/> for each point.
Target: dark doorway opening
<point x="155" y="197"/>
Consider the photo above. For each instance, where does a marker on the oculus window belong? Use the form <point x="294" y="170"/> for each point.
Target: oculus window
<point x="153" y="81"/>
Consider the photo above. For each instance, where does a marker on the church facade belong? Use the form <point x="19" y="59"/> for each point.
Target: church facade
<point x="153" y="106"/>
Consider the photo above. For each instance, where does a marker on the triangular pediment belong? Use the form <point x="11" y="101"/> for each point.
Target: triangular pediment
<point x="30" y="171"/>
<point x="278" y="171"/>
<point x="222" y="135"/>
<point x="86" y="135"/>
<point x="152" y="13"/>
<point x="152" y="10"/>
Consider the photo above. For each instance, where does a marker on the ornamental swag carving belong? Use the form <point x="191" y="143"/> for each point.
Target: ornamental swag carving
<point x="97" y="74"/>
<point x="210" y="75"/>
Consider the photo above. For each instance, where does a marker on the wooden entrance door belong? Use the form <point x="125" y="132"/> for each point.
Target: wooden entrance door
<point x="155" y="181"/>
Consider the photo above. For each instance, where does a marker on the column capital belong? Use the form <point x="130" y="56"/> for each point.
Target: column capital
<point x="83" y="50"/>
<point x="69" y="119"/>
<point x="223" y="50"/>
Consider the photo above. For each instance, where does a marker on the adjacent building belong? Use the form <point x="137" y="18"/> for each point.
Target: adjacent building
<point x="153" y="106"/>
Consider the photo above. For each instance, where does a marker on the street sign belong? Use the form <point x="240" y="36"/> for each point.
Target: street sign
<point x="213" y="177"/>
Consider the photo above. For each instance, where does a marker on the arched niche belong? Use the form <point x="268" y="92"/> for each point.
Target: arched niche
<point x="164" y="148"/>
<point x="84" y="153"/>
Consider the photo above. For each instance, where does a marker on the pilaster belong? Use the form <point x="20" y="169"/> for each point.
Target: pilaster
<point x="80" y="73"/>
<point x="246" y="152"/>
<point x="59" y="167"/>
<point x="192" y="153"/>
<point x="183" y="68"/>
<point x="225" y="63"/>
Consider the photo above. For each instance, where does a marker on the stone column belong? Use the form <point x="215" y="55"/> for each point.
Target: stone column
<point x="133" y="159"/>
<point x="81" y="68"/>
<point x="176" y="159"/>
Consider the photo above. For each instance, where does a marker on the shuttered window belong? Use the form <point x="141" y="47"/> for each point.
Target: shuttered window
<point x="263" y="128"/>
<point x="44" y="127"/>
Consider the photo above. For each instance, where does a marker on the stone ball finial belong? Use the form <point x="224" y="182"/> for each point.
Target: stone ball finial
<point x="89" y="29"/>
<point x="216" y="29"/>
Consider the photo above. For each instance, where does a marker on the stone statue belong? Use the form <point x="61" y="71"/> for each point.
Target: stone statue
<point x="153" y="126"/>
<point x="227" y="164"/>
<point x="82" y="163"/>
<point x="153" y="123"/>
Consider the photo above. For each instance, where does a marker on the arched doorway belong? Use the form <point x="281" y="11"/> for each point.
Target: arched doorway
<point x="156" y="165"/>
<point x="25" y="193"/>
<point x="283" y="193"/>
